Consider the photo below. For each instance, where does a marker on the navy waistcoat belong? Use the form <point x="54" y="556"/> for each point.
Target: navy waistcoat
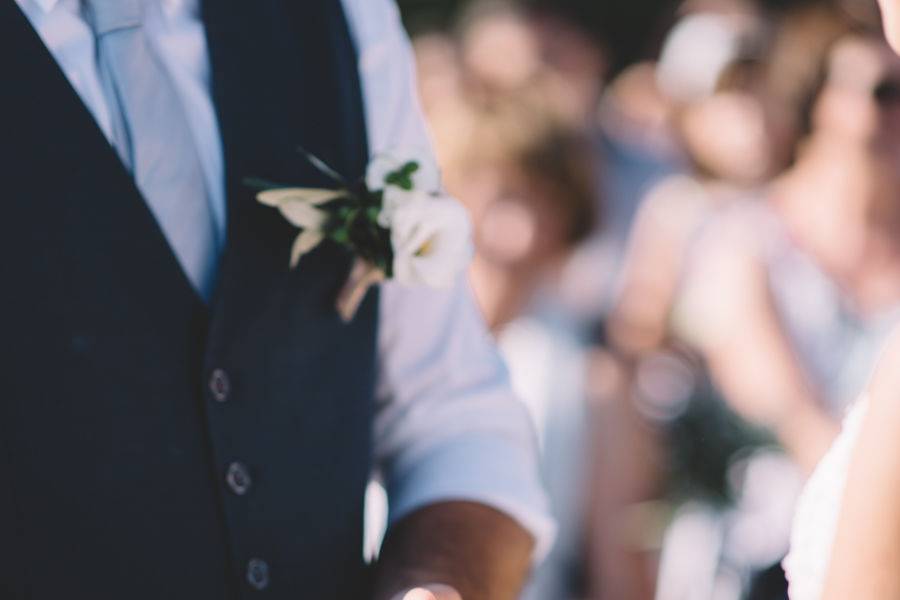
<point x="151" y="446"/>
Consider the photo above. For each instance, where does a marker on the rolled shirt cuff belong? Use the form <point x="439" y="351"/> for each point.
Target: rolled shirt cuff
<point x="489" y="470"/>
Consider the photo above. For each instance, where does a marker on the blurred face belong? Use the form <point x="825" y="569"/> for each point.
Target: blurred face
<point x="727" y="135"/>
<point x="577" y="65"/>
<point x="501" y="50"/>
<point x="860" y="102"/>
<point x="517" y="222"/>
<point x="891" y="11"/>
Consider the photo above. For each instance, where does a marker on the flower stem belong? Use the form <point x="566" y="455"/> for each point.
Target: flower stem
<point x="363" y="276"/>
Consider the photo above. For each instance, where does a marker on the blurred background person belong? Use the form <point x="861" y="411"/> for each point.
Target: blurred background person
<point x="817" y="289"/>
<point x="530" y="187"/>
<point x="669" y="426"/>
<point x="511" y="95"/>
<point x="845" y="533"/>
<point x="816" y="264"/>
<point x="687" y="356"/>
<point x="525" y="167"/>
<point x="786" y="293"/>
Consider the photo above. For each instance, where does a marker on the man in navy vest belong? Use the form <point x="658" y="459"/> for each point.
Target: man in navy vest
<point x="183" y="416"/>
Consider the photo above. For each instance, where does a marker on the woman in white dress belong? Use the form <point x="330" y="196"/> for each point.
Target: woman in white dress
<point x="847" y="530"/>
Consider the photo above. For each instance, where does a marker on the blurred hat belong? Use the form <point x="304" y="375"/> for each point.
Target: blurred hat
<point x="699" y="50"/>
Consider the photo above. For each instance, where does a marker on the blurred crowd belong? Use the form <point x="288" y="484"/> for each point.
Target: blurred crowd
<point x="687" y="220"/>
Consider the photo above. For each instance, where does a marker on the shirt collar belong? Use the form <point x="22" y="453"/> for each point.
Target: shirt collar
<point x="171" y="6"/>
<point x="46" y="5"/>
<point x="179" y="7"/>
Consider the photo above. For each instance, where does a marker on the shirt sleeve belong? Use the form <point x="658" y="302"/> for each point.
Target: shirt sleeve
<point x="448" y="426"/>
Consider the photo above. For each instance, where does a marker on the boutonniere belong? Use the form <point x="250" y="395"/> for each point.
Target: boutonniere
<point x="396" y="222"/>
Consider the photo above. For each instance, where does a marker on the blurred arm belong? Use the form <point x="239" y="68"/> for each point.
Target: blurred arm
<point x="718" y="299"/>
<point x="626" y="474"/>
<point x="653" y="266"/>
<point x="867" y="547"/>
<point x="733" y="320"/>
<point x="761" y="378"/>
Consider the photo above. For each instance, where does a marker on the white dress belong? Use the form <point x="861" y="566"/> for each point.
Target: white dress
<point x="818" y="509"/>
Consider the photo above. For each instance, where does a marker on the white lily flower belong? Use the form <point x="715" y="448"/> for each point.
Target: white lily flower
<point x="430" y="233"/>
<point x="432" y="241"/>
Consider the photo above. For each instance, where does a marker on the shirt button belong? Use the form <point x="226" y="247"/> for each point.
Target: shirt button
<point x="219" y="385"/>
<point x="238" y="478"/>
<point x="258" y="574"/>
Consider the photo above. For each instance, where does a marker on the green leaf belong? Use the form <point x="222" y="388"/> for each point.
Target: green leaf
<point x="341" y="235"/>
<point x="402" y="177"/>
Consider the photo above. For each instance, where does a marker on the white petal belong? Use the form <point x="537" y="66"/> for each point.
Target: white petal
<point x="303" y="215"/>
<point x="304" y="243"/>
<point x="432" y="242"/>
<point x="391" y="201"/>
<point x="311" y="196"/>
<point x="379" y="167"/>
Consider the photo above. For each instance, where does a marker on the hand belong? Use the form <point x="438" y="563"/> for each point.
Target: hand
<point x="430" y="592"/>
<point x="475" y="551"/>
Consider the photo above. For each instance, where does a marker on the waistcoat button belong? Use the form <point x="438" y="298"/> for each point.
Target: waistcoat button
<point x="258" y="574"/>
<point x="238" y="478"/>
<point x="219" y="385"/>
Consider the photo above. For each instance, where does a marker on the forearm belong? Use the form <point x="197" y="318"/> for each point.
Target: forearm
<point x="792" y="413"/>
<point x="806" y="432"/>
<point x="626" y="475"/>
<point x="482" y="553"/>
<point x="759" y="373"/>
